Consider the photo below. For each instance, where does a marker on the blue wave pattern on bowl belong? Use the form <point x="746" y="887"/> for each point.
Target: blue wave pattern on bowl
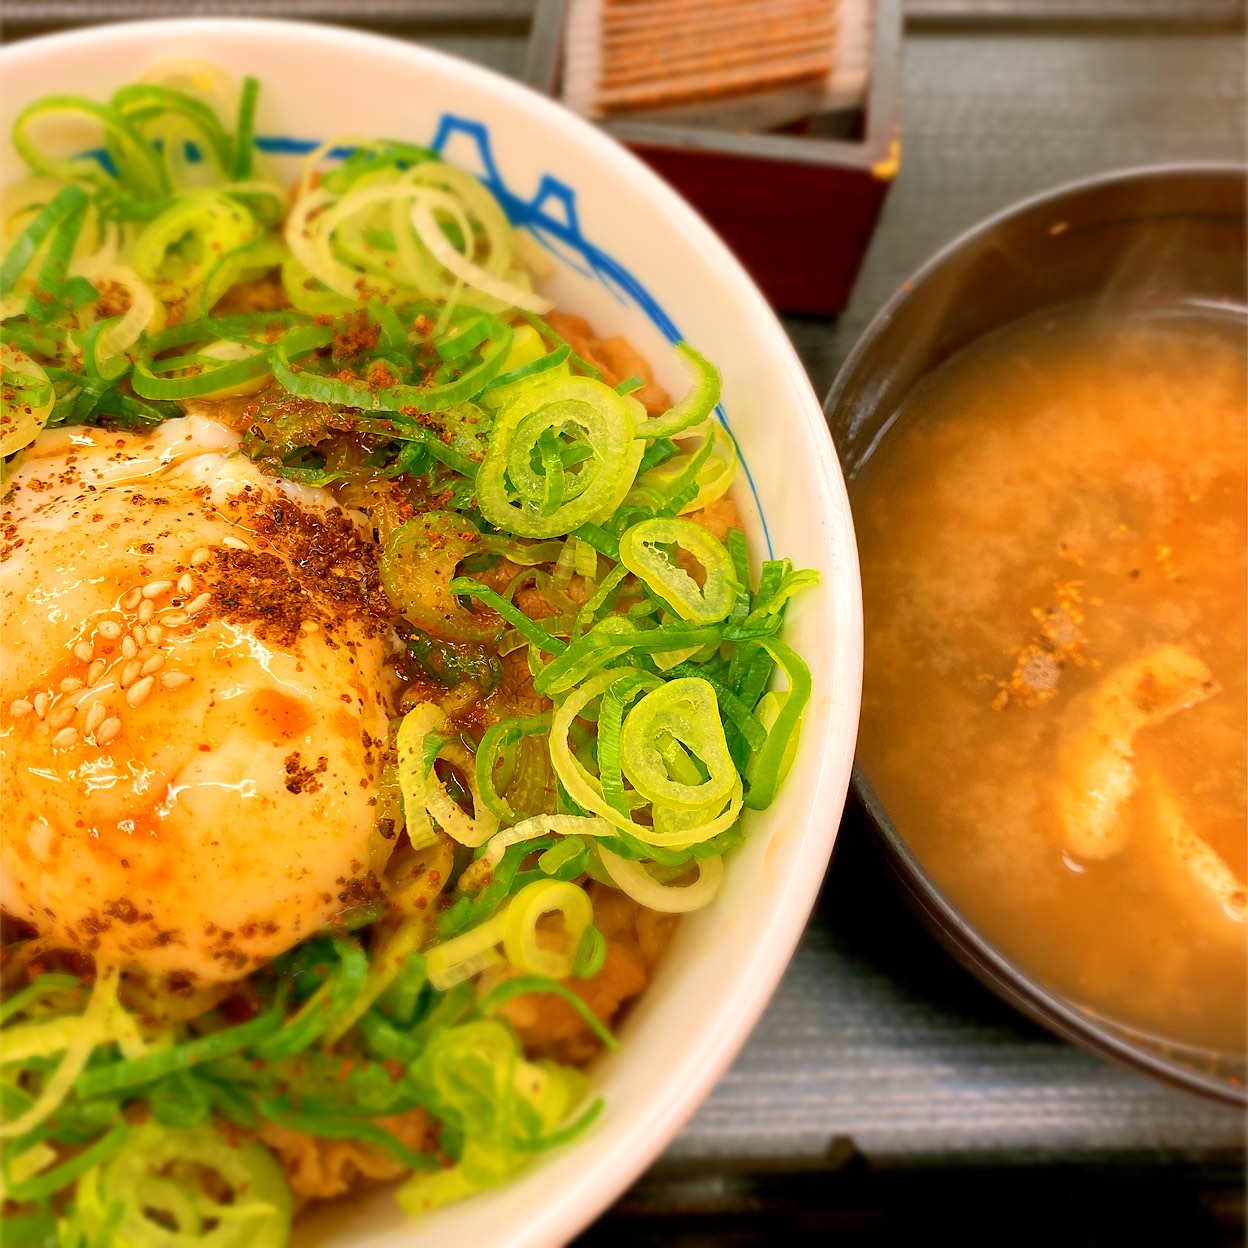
<point x="550" y="217"/>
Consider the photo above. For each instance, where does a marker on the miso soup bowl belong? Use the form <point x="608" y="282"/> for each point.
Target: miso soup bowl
<point x="1172" y="233"/>
<point x="633" y="258"/>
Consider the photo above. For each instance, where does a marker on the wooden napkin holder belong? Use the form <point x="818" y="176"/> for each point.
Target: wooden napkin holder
<point x="797" y="208"/>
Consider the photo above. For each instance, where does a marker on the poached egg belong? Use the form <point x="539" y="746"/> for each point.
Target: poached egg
<point x="193" y="704"/>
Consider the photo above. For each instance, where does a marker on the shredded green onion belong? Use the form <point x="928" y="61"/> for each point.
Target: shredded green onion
<point x="124" y="1075"/>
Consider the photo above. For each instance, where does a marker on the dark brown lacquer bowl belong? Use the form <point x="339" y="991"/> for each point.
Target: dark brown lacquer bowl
<point x="1171" y="233"/>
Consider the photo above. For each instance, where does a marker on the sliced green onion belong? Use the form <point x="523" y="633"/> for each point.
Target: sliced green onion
<point x="23" y="250"/>
<point x="45" y="1183"/>
<point x="245" y="129"/>
<point x="31" y="1230"/>
<point x="461" y="958"/>
<point x="565" y="860"/>
<point x="591" y="956"/>
<point x="165" y="1171"/>
<point x="526" y="985"/>
<point x="395" y="953"/>
<point x="417" y="567"/>
<point x="138" y="166"/>
<point x="199" y="375"/>
<point x="179" y="1100"/>
<point x="44" y="986"/>
<point x="525" y="554"/>
<point x="468" y="329"/>
<point x="172" y="118"/>
<point x="695" y="407"/>
<point x="415" y="766"/>
<point x="694" y="478"/>
<point x="610" y="639"/>
<point x="301" y="289"/>
<point x="599" y="599"/>
<point x="498" y="736"/>
<point x="533" y="632"/>
<point x="529" y="952"/>
<point x="121" y="1076"/>
<point x="419" y="744"/>
<point x="250" y="259"/>
<point x="177" y="250"/>
<point x="632" y="878"/>
<point x="514" y="496"/>
<point x="768" y="766"/>
<point x="56" y="292"/>
<point x="610" y="722"/>
<point x="431" y="398"/>
<point x="582" y="366"/>
<point x="496" y="1108"/>
<point x="78" y="1037"/>
<point x="26" y="399"/>
<point x="641" y="551"/>
<point x="352" y="1128"/>
<point x="586" y="790"/>
<point x="680" y="713"/>
<point x="537" y="826"/>
<point x="322" y="1010"/>
<point x="768" y="614"/>
<point x="474" y="276"/>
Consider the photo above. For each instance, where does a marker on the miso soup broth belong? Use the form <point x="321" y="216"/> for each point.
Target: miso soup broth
<point x="1052" y="534"/>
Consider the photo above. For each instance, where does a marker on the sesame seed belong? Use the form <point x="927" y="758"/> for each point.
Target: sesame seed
<point x="20" y="707"/>
<point x="110" y="630"/>
<point x="309" y="626"/>
<point x="157" y="589"/>
<point x="174" y="619"/>
<point x="234" y="543"/>
<point x="85" y="651"/>
<point x="71" y="684"/>
<point x="201" y="556"/>
<point x="132" y="600"/>
<point x="154" y="664"/>
<point x="196" y="605"/>
<point x="107" y="730"/>
<point x="174" y="680"/>
<point x="61" y="714"/>
<point x="186" y="583"/>
<point x="130" y="673"/>
<point x="128" y="648"/>
<point x="155" y="634"/>
<point x="147" y="609"/>
<point x="96" y="716"/>
<point x="41" y="704"/>
<point x="64" y="739"/>
<point x="136" y="695"/>
<point x="95" y="671"/>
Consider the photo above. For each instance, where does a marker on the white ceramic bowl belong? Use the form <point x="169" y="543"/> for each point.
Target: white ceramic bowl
<point x="633" y="258"/>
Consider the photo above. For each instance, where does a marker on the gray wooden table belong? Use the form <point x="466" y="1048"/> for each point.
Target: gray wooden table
<point x="878" y="1056"/>
<point x="910" y="1098"/>
<point x="884" y="1095"/>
